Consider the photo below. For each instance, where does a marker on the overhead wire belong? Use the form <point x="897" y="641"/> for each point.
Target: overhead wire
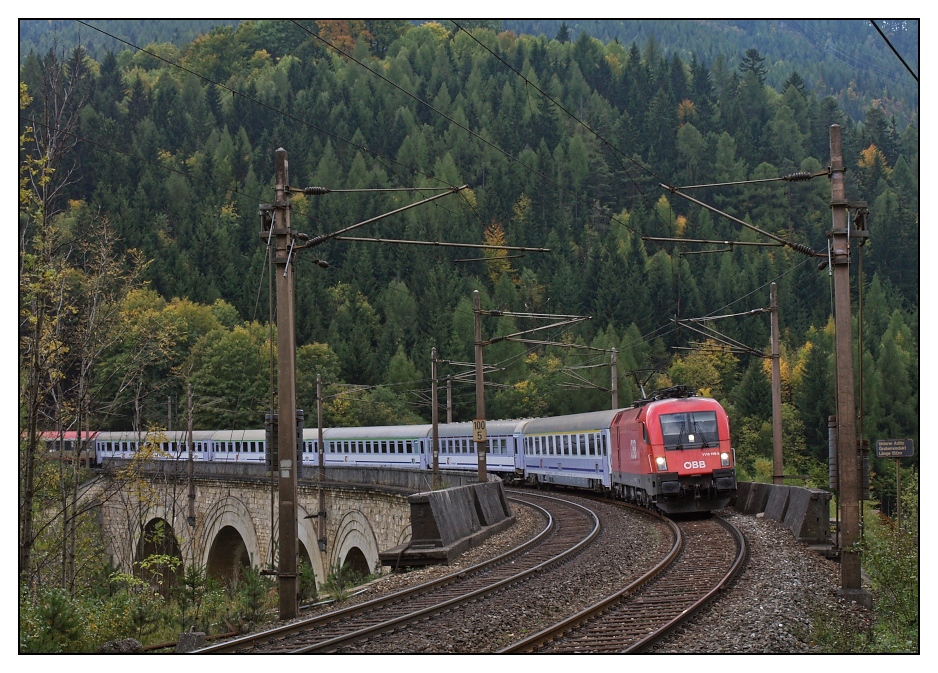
<point x="894" y="51"/>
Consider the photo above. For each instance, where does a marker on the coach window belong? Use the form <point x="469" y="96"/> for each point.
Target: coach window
<point x="592" y="443"/>
<point x="604" y="443"/>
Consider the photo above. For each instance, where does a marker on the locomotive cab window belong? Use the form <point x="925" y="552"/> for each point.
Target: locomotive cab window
<point x="692" y="429"/>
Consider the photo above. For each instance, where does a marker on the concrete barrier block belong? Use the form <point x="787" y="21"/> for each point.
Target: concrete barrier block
<point x="778" y="502"/>
<point x="743" y="491"/>
<point x="491" y="504"/>
<point x="424" y="531"/>
<point x="760" y="497"/>
<point x="798" y="500"/>
<point x="446" y="523"/>
<point x="455" y="513"/>
<point x="752" y="497"/>
<point x="808" y="515"/>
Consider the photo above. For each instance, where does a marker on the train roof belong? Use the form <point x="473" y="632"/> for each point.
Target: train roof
<point x="676" y="404"/>
<point x="238" y="436"/>
<point x="378" y="432"/>
<point x="591" y="420"/>
<point x="170" y="435"/>
<point x="491" y="428"/>
<point x="68" y="436"/>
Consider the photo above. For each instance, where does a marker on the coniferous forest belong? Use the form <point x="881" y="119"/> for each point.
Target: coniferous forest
<point x="144" y="160"/>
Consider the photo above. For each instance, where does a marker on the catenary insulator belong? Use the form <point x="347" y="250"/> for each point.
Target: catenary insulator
<point x="803" y="249"/>
<point x="800" y="175"/>
<point x="315" y="191"/>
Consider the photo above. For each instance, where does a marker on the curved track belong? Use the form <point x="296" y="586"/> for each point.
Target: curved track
<point x="707" y="554"/>
<point x="569" y="528"/>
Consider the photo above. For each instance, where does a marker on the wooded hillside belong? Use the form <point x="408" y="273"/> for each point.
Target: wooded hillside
<point x="172" y="147"/>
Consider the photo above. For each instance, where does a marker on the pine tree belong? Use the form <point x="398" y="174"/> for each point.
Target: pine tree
<point x="753" y="62"/>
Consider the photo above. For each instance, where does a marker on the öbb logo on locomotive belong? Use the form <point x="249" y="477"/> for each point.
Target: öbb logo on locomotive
<point x="661" y="452"/>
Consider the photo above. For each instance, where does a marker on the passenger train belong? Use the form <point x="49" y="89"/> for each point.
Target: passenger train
<point x="670" y="451"/>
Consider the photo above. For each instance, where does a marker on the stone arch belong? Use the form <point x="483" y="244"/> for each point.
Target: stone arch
<point x="356" y="562"/>
<point x="158" y="538"/>
<point x="155" y="512"/>
<point x="227" y="557"/>
<point x="355" y="532"/>
<point x="229" y="538"/>
<point x="309" y="542"/>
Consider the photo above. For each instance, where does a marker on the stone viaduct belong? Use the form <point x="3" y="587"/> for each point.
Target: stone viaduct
<point x="235" y="515"/>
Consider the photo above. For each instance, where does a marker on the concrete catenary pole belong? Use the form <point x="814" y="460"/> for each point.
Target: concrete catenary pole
<point x="615" y="378"/>
<point x="286" y="393"/>
<point x="321" y="519"/>
<point x="190" y="515"/>
<point x="435" y="419"/>
<point x="449" y="398"/>
<point x="846" y="407"/>
<point x="777" y="461"/>
<point x="480" y="384"/>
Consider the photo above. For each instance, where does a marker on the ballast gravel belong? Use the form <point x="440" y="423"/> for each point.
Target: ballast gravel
<point x="770" y="608"/>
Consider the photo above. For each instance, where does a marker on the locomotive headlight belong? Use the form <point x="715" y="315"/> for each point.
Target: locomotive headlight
<point x="662" y="463"/>
<point x="724" y="459"/>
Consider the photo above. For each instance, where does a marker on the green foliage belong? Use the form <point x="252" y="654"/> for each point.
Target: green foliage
<point x="890" y="558"/>
<point x="688" y="105"/>
<point x="52" y="622"/>
<point x="839" y="633"/>
<point x="256" y="594"/>
<point x="340" y="581"/>
<point x="309" y="590"/>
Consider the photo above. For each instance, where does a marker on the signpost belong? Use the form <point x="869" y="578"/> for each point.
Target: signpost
<point x="478" y="430"/>
<point x="896" y="448"/>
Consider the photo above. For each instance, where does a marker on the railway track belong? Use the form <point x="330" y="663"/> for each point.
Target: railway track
<point x="569" y="528"/>
<point x="706" y="555"/>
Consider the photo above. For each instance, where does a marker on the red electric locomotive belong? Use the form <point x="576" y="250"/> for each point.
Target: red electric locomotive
<point x="673" y="451"/>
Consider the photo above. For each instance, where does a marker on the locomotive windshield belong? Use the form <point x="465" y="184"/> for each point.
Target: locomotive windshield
<point x="691" y="429"/>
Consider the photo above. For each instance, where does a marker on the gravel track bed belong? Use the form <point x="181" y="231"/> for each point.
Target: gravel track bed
<point x="490" y="623"/>
<point x="528" y="523"/>
<point x="771" y="607"/>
